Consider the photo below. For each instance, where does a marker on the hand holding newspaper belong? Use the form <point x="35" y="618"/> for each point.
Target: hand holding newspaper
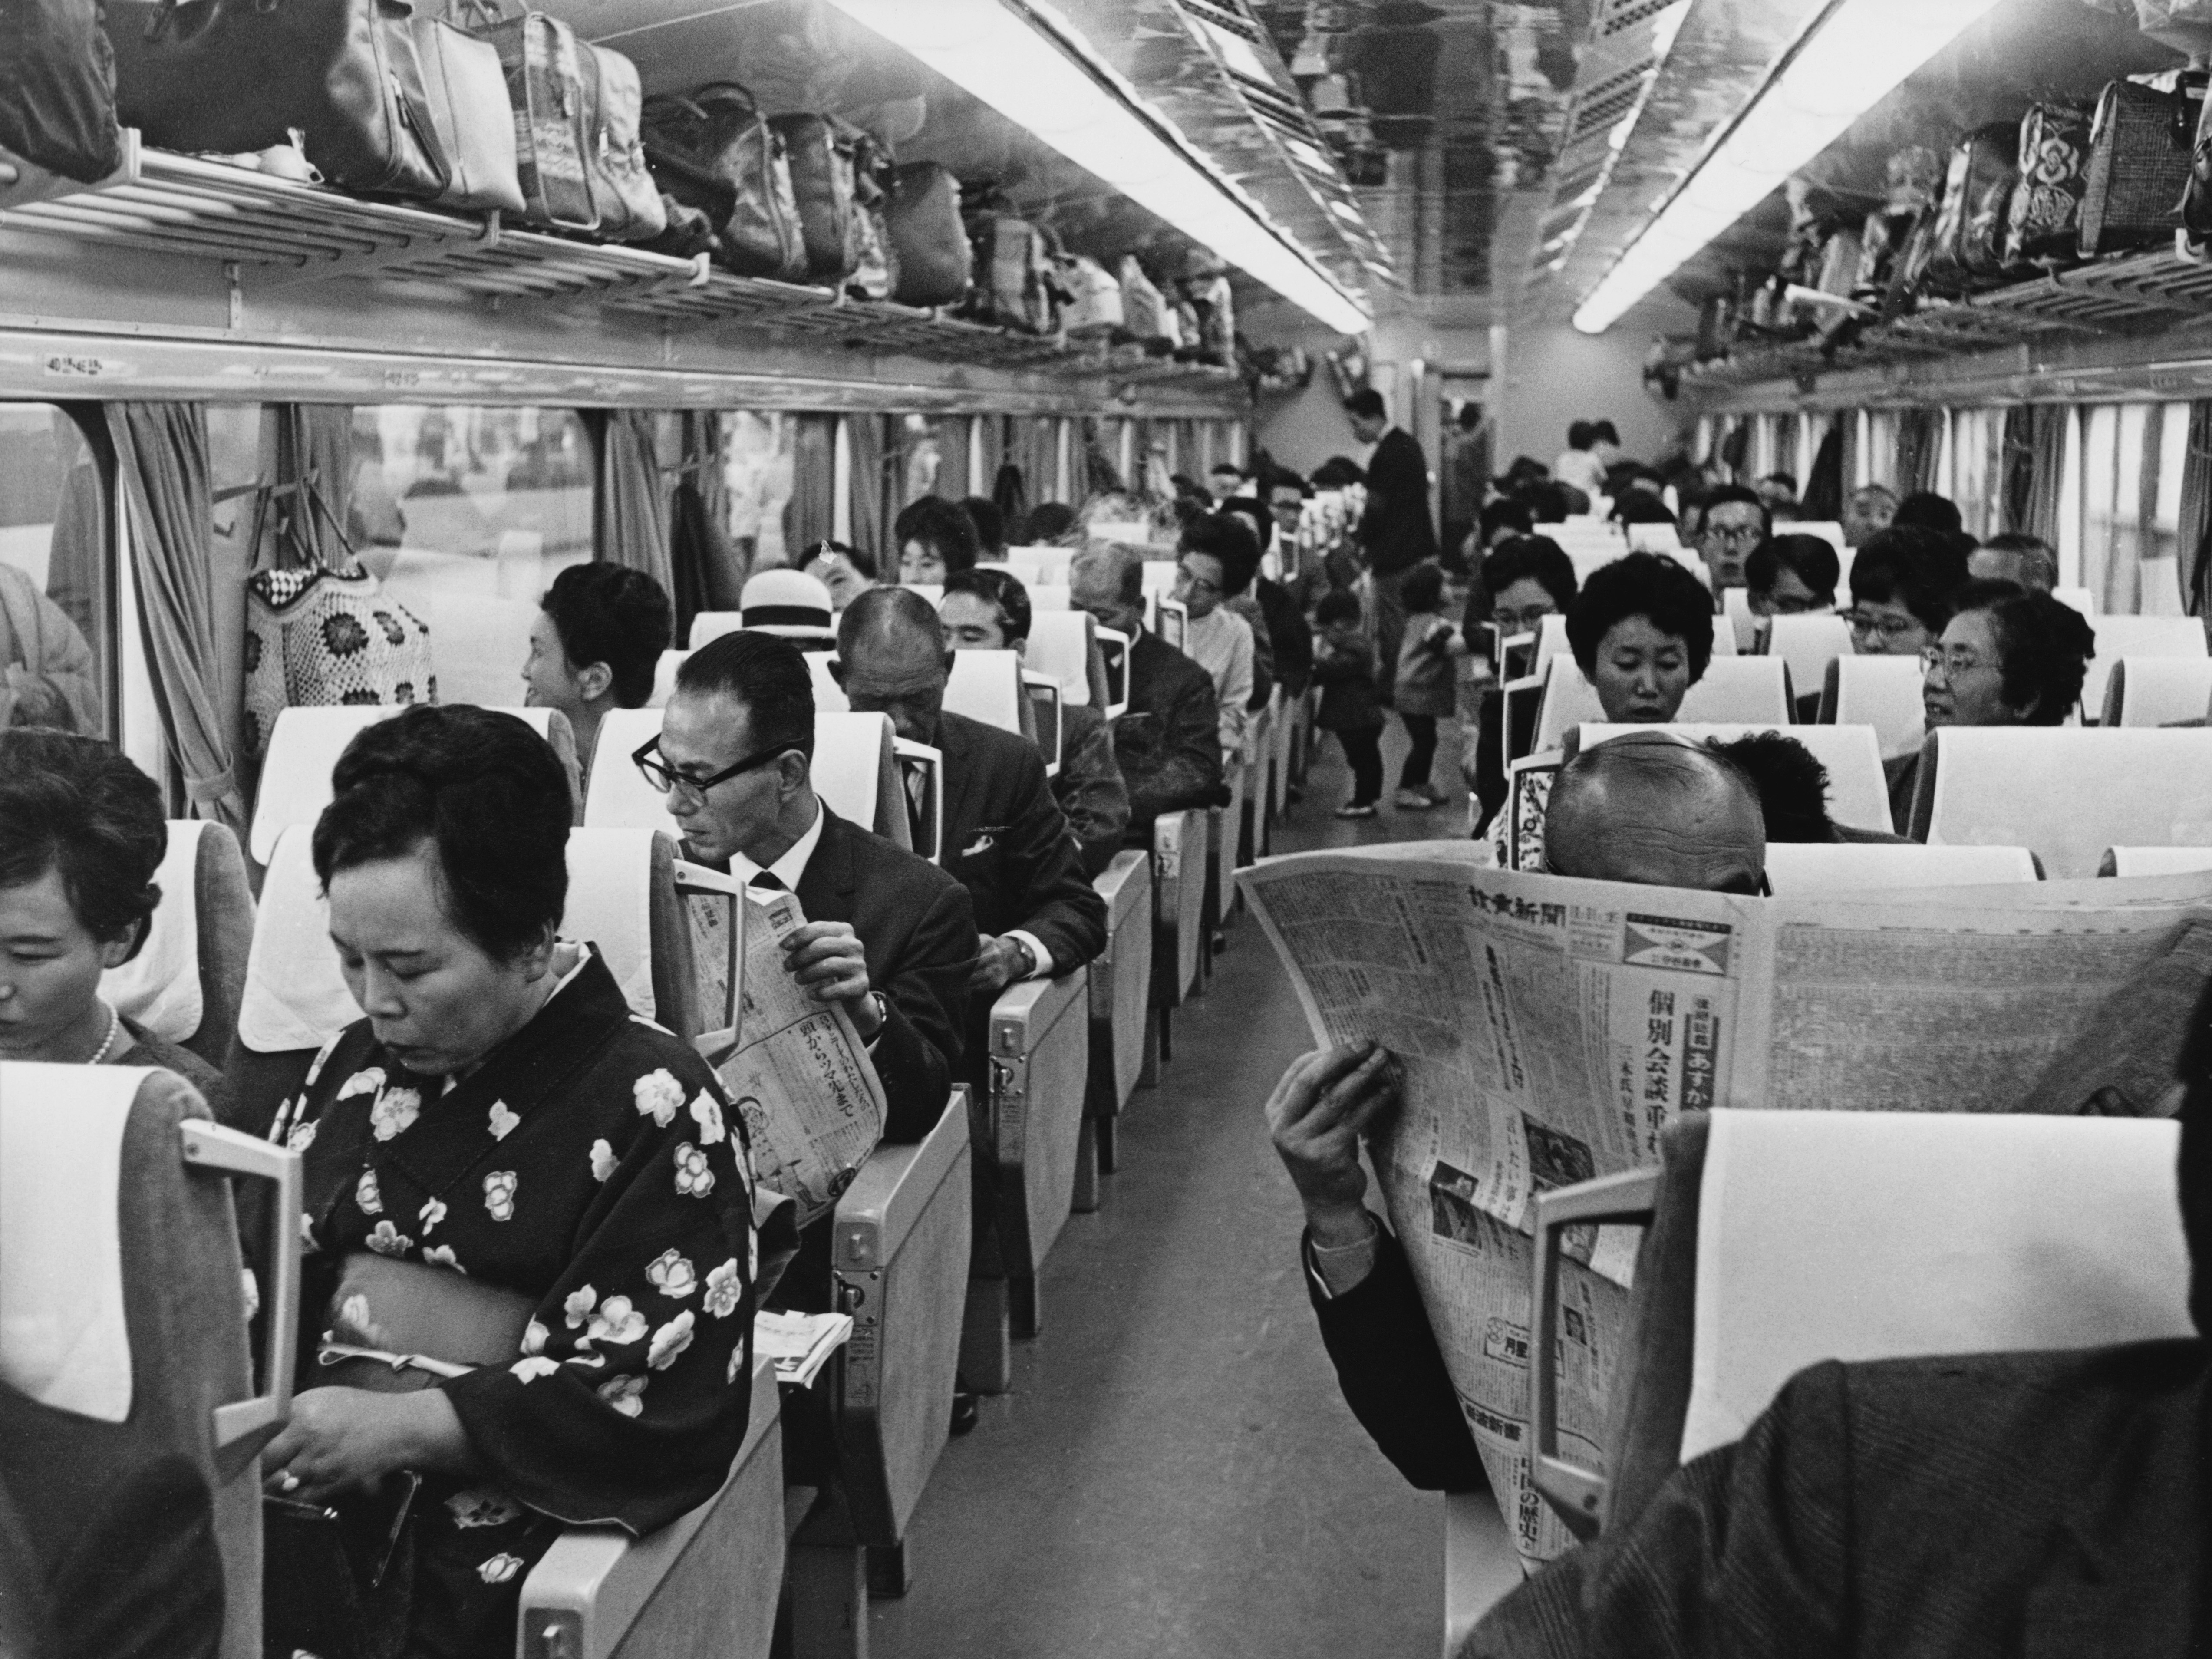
<point x="795" y="1067"/>
<point x="1545" y="1029"/>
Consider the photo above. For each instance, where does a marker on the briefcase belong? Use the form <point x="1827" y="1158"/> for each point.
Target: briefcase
<point x="2141" y="142"/>
<point x="465" y="91"/>
<point x="623" y="187"/>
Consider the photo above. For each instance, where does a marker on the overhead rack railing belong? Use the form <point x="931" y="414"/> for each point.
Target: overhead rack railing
<point x="271" y="234"/>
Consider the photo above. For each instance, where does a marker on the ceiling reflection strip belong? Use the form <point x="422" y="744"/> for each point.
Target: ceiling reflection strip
<point x="1031" y="65"/>
<point x="1855" y="52"/>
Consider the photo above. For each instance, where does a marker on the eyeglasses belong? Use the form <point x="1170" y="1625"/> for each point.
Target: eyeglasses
<point x="1738" y="532"/>
<point x="1196" y="584"/>
<point x="1510" y="622"/>
<point x="1890" y="628"/>
<point x="1952" y="662"/>
<point x="656" y="770"/>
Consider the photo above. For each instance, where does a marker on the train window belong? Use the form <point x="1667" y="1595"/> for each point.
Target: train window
<point x="2132" y="458"/>
<point x="758" y="455"/>
<point x="56" y="629"/>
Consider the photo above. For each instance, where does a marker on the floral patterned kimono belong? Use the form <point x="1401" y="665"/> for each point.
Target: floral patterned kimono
<point x="592" y="1164"/>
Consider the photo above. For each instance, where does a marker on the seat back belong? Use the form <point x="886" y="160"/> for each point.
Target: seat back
<point x="1809" y="644"/>
<point x="1736" y="613"/>
<point x="830" y="698"/>
<point x="1120" y="984"/>
<point x="1653" y="538"/>
<point x="1039" y="1072"/>
<point x="2156" y="691"/>
<point x="305" y="745"/>
<point x="986" y="686"/>
<point x="712" y="625"/>
<point x="1113" y="661"/>
<point x="1172" y="621"/>
<point x="932" y="592"/>
<point x="183" y="984"/>
<point x="128" y="1427"/>
<point x="1159" y="578"/>
<point x="1049" y="564"/>
<point x="2065" y="793"/>
<point x="1048" y="596"/>
<point x="1883" y="692"/>
<point x="899" y="1244"/>
<point x="664" y="678"/>
<point x="1847" y="867"/>
<point x="1858" y="795"/>
<point x="2155" y="860"/>
<point x="1759" y="1262"/>
<point x="1062" y="643"/>
<point x="1040" y="717"/>
<point x="1732" y="691"/>
<point x="2080" y="598"/>
<point x="2119" y="637"/>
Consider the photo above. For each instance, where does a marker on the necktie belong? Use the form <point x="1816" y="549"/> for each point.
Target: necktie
<point x="766" y="881"/>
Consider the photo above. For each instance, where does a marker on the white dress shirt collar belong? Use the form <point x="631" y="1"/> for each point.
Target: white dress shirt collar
<point x="792" y="864"/>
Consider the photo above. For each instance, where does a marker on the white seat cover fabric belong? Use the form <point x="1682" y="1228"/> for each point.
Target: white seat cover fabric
<point x="830" y="698"/>
<point x="1059" y="645"/>
<point x="854" y="772"/>
<point x="2162" y="691"/>
<point x="1160" y="576"/>
<point x="294" y="995"/>
<point x="986" y="686"/>
<point x="1047" y="596"/>
<point x="1883" y="692"/>
<point x="65" y="1341"/>
<point x="617" y="797"/>
<point x="1051" y="564"/>
<point x="2069" y="792"/>
<point x="1734" y="691"/>
<point x="1807" y="644"/>
<point x="610" y="906"/>
<point x="478" y="645"/>
<point x="1862" y="866"/>
<point x="712" y="625"/>
<point x="2137" y="636"/>
<point x="1858" y="795"/>
<point x="159" y="987"/>
<point x="2080" y="598"/>
<point x="1997" y="1233"/>
<point x="664" y="678"/>
<point x="1735" y="610"/>
<point x="2159" y="861"/>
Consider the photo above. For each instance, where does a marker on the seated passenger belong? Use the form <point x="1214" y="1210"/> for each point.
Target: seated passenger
<point x="508" y="1172"/>
<point x="2022" y="1503"/>
<point x="1867" y="511"/>
<point x="1779" y="491"/>
<point x="1004" y="838"/>
<point x="989" y="611"/>
<point x="81" y="838"/>
<point x="1168" y="743"/>
<point x="1792" y="576"/>
<point x="1282" y="642"/>
<point x="1924" y="509"/>
<point x="594" y="644"/>
<point x="2016" y="556"/>
<point x="2006" y="658"/>
<point x="790" y="604"/>
<point x="1904" y="583"/>
<point x="1736" y="521"/>
<point x="1224" y="481"/>
<point x="889" y="935"/>
<point x="1524" y="579"/>
<point x="845" y="571"/>
<point x="935" y="539"/>
<point x="47" y="675"/>
<point x="1649" y="808"/>
<point x="1216" y="559"/>
<point x="1642" y="633"/>
<point x="1048" y="523"/>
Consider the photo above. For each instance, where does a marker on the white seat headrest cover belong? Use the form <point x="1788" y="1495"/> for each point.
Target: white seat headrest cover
<point x="610" y="906"/>
<point x="1859" y="1235"/>
<point x="65" y="1341"/>
<point x="295" y="778"/>
<point x="294" y="995"/>
<point x="159" y="987"/>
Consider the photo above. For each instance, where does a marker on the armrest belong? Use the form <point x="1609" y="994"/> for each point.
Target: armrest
<point x="587" y="1595"/>
<point x="888" y="1195"/>
<point x="1125" y="885"/>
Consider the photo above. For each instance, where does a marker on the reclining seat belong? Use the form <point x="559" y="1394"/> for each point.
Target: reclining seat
<point x="1121" y="1014"/>
<point x="185" y="984"/>
<point x="1181" y="874"/>
<point x="130" y="1432"/>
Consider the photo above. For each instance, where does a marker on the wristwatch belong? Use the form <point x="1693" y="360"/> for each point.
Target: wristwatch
<point x="1029" y="957"/>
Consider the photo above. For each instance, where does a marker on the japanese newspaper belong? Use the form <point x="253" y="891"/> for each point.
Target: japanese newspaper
<point x="795" y="1067"/>
<point x="1547" y="1029"/>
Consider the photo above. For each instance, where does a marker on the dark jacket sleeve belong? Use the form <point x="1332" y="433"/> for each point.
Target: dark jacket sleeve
<point x="1292" y="638"/>
<point x="1393" y="1373"/>
<point x="1189" y="771"/>
<point x="1090" y="789"/>
<point x="1058" y="903"/>
<point x="1744" y="1551"/>
<point x="918" y="1051"/>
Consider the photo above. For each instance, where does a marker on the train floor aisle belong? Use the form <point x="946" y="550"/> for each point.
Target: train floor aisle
<point x="1176" y="1473"/>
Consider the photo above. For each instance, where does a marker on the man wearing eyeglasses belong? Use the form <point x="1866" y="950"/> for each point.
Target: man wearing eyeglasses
<point x="890" y="936"/>
<point x="1737" y="520"/>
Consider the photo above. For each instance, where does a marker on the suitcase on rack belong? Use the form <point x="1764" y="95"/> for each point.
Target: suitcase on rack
<point x="2044" y="220"/>
<point x="57" y="90"/>
<point x="823" y="154"/>
<point x="622" y="188"/>
<point x="930" y="250"/>
<point x="1013" y="287"/>
<point x="2141" y="142"/>
<point x="711" y="149"/>
<point x="554" y="128"/>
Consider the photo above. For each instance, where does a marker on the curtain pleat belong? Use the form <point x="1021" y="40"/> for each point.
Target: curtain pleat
<point x="811" y="513"/>
<point x="629" y="508"/>
<point x="161" y="462"/>
<point x="2016" y="470"/>
<point x="864" y="438"/>
<point x="2193" y="535"/>
<point x="2047" y="470"/>
<point x="709" y="573"/>
<point x="953" y="459"/>
<point x="1916" y="450"/>
<point x="1823" y="499"/>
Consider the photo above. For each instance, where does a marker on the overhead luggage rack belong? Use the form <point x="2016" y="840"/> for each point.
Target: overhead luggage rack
<point x="2090" y="296"/>
<point x="272" y="234"/>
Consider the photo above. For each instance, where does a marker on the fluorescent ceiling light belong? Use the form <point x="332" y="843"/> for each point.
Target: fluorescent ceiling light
<point x="1855" y="52"/>
<point x="1058" y="89"/>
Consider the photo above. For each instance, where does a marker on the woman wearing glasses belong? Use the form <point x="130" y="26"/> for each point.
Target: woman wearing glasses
<point x="1904" y="586"/>
<point x="2007" y="656"/>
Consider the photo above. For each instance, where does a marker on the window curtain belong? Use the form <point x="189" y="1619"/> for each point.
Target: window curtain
<point x="629" y="513"/>
<point x="810" y="513"/>
<point x="2193" y="527"/>
<point x="309" y="444"/>
<point x="871" y="525"/>
<point x="1099" y="475"/>
<point x="162" y="463"/>
<point x="1823" y="499"/>
<point x="78" y="572"/>
<point x="953" y="459"/>
<point x="709" y="573"/>
<point x="1041" y="460"/>
<point x="2016" y="470"/>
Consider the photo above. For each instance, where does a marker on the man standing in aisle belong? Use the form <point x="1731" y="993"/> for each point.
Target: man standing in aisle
<point x="1396" y="529"/>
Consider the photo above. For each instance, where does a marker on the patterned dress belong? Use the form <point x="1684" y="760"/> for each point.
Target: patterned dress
<point x="591" y="1164"/>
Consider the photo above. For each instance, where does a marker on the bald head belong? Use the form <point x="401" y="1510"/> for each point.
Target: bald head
<point x="1651" y="809"/>
<point x="892" y="660"/>
<point x="1109" y="583"/>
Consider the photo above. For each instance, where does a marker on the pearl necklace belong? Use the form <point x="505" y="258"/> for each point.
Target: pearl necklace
<point x="114" y="1030"/>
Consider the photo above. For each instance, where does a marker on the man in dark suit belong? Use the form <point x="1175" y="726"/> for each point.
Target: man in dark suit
<point x="1396" y="529"/>
<point x="1006" y="839"/>
<point x="1168" y="743"/>
<point x="888" y="934"/>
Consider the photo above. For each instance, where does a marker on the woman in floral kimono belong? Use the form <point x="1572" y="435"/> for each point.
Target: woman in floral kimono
<point x="526" y="1207"/>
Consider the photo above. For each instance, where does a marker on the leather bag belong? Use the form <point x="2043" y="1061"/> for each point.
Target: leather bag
<point x="1215" y="303"/>
<point x="1014" y="286"/>
<point x="554" y="123"/>
<point x="1967" y="243"/>
<point x="711" y="149"/>
<point x="1094" y="303"/>
<point x="823" y="154"/>
<point x="623" y="187"/>
<point x="2141" y="144"/>
<point x="58" y="88"/>
<point x="875" y="272"/>
<point x="2042" y="223"/>
<point x="236" y="75"/>
<point x="929" y="243"/>
<point x="465" y="91"/>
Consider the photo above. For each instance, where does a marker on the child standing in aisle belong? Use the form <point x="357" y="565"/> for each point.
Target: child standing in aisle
<point x="1343" y="668"/>
<point x="1423" y="689"/>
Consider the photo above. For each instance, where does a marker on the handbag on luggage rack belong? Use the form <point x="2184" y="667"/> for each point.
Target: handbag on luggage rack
<point x="554" y="122"/>
<point x="929" y="243"/>
<point x="472" y="122"/>
<point x="1013" y="287"/>
<point x="875" y="269"/>
<point x="58" y="90"/>
<point x="712" y="149"/>
<point x="1145" y="310"/>
<point x="1967" y="243"/>
<point x="2141" y="144"/>
<point x="622" y="188"/>
<point x="823" y="154"/>
<point x="237" y="75"/>
<point x="1094" y="304"/>
<point x="2044" y="220"/>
